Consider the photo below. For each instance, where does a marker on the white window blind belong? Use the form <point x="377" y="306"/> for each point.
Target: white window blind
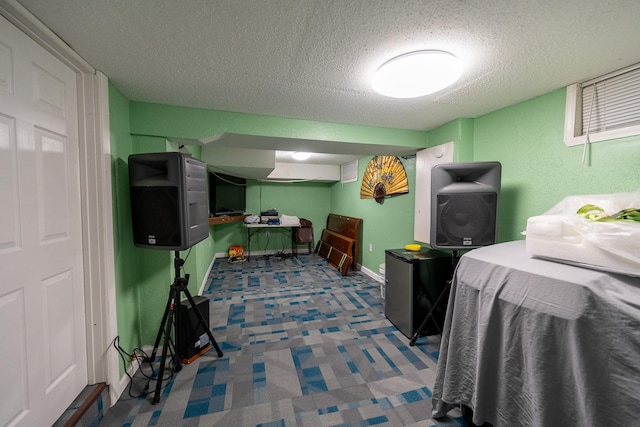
<point x="616" y="102"/>
<point x="604" y="108"/>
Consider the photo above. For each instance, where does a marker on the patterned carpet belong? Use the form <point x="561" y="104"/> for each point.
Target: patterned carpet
<point x="303" y="346"/>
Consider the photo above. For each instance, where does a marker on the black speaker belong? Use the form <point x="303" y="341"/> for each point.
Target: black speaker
<point x="168" y="200"/>
<point x="464" y="204"/>
<point x="192" y="339"/>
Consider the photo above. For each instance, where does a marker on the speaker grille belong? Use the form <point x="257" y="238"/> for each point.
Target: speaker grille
<point x="466" y="220"/>
<point x="156" y="216"/>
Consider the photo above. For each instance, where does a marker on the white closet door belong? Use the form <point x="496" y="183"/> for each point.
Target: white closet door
<point x="42" y="307"/>
<point x="425" y="160"/>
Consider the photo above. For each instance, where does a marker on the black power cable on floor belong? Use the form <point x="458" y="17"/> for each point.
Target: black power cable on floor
<point x="143" y="359"/>
<point x="124" y="355"/>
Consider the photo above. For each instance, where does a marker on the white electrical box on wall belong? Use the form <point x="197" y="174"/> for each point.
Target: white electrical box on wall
<point x="425" y="160"/>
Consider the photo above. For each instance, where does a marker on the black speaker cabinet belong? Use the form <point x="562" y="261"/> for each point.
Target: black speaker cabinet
<point x="192" y="339"/>
<point x="169" y="203"/>
<point x="464" y="204"/>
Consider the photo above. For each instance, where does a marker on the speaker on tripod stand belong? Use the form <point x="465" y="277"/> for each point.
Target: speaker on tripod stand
<point x="169" y="203"/>
<point x="169" y="211"/>
<point x="464" y="204"/>
<point x="464" y="211"/>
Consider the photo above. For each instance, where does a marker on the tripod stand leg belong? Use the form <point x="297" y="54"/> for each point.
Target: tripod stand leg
<point x="161" y="330"/>
<point x="430" y="316"/>
<point x="445" y="292"/>
<point x="173" y="298"/>
<point x="203" y="322"/>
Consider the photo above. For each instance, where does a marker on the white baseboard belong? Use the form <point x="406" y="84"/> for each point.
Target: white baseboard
<point x="272" y="252"/>
<point x="205" y="281"/>
<point x="371" y="274"/>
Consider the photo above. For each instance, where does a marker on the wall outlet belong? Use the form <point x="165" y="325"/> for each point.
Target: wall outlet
<point x="370" y="247"/>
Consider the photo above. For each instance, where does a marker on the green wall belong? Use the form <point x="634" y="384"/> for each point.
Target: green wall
<point x="538" y="170"/>
<point x="390" y="224"/>
<point x="386" y="225"/>
<point x="460" y="132"/>
<point x="309" y="200"/>
<point x="126" y="276"/>
<point x="143" y="276"/>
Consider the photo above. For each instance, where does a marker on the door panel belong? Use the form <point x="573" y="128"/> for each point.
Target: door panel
<point x="9" y="214"/>
<point x="42" y="288"/>
<point x="51" y="174"/>
<point x="13" y="366"/>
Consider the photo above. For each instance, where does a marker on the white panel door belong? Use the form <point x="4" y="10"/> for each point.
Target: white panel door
<point x="42" y="339"/>
<point x="425" y="160"/>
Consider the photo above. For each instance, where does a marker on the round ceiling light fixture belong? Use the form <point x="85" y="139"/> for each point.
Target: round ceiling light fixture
<point x="417" y="74"/>
<point x="300" y="155"/>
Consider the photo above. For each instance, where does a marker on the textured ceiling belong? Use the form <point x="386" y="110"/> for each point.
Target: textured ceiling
<point x="314" y="59"/>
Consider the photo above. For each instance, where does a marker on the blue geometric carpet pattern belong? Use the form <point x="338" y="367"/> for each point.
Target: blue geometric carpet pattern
<point x="303" y="346"/>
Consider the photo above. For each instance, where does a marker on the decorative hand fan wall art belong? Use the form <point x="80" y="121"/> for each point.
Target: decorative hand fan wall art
<point x="384" y="176"/>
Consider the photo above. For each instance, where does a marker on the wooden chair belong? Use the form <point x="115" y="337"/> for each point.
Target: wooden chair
<point x="304" y="234"/>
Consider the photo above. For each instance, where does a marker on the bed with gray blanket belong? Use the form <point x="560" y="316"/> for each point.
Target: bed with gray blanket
<point x="530" y="342"/>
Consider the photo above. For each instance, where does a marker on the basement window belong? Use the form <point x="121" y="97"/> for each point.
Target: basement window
<point x="604" y="108"/>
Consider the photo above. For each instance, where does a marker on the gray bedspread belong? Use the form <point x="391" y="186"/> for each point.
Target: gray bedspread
<point x="530" y="342"/>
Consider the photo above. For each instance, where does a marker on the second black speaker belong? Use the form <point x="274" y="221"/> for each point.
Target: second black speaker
<point x="464" y="204"/>
<point x="168" y="200"/>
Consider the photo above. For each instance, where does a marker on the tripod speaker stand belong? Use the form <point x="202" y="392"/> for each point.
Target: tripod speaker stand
<point x="442" y="298"/>
<point x="168" y="325"/>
